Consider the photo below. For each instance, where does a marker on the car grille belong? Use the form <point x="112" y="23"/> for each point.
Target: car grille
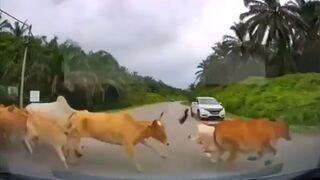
<point x="214" y="111"/>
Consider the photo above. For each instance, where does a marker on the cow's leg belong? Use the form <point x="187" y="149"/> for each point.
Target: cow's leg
<point x="66" y="151"/>
<point x="233" y="152"/>
<point x="131" y="152"/>
<point x="219" y="153"/>
<point x="259" y="154"/>
<point x="26" y="141"/>
<point x="153" y="149"/>
<point x="268" y="146"/>
<point x="61" y="156"/>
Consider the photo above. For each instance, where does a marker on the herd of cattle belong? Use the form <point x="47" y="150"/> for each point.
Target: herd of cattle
<point x="62" y="127"/>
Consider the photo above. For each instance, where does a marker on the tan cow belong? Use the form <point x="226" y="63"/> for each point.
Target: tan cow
<point x="118" y="128"/>
<point x="48" y="130"/>
<point x="12" y="123"/>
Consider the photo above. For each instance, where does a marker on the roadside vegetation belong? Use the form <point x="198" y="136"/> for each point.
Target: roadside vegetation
<point x="294" y="98"/>
<point x="90" y="80"/>
<point x="268" y="67"/>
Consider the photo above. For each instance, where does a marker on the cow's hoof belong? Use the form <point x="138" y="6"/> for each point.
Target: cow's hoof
<point x="138" y="167"/>
<point x="78" y="154"/>
<point x="252" y="158"/>
<point x="268" y="162"/>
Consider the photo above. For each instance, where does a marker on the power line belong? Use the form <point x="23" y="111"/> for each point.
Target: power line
<point x="24" y="54"/>
<point x="13" y="17"/>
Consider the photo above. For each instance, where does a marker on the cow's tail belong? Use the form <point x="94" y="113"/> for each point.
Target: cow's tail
<point x="184" y="117"/>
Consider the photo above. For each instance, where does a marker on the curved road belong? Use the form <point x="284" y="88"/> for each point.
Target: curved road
<point x="185" y="159"/>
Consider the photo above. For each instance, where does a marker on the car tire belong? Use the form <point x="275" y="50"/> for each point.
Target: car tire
<point x="198" y="115"/>
<point x="191" y="112"/>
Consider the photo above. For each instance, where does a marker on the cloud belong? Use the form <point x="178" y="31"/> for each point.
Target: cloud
<point x="165" y="39"/>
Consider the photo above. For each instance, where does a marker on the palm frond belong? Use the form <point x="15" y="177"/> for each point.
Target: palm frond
<point x="257" y="2"/>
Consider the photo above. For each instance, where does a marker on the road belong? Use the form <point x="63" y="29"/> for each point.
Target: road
<point x="184" y="157"/>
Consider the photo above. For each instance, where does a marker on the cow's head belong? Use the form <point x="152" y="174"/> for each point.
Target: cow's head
<point x="282" y="129"/>
<point x="73" y="141"/>
<point x="158" y="130"/>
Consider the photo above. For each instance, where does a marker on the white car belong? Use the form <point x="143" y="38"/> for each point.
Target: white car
<point x="207" y="108"/>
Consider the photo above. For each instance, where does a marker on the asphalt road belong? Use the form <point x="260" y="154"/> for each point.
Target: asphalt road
<point x="184" y="158"/>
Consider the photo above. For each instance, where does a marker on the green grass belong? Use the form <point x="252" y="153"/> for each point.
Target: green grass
<point x="185" y="103"/>
<point x="294" y="98"/>
<point x="305" y="129"/>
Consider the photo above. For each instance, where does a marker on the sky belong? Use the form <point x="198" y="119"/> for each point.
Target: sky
<point x="165" y="39"/>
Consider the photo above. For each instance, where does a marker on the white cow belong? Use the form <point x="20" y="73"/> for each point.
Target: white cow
<point x="204" y="138"/>
<point x="59" y="110"/>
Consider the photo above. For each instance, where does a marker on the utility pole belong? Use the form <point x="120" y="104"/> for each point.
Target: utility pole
<point x="24" y="54"/>
<point x="24" y="67"/>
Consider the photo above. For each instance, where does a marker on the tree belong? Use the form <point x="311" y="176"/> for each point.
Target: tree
<point x="306" y="53"/>
<point x="271" y="24"/>
<point x="4" y="24"/>
<point x="18" y="30"/>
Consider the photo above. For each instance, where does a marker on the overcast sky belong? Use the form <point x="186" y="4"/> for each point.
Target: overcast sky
<point x="165" y="39"/>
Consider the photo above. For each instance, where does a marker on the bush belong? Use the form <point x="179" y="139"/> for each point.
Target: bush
<point x="153" y="98"/>
<point x="294" y="98"/>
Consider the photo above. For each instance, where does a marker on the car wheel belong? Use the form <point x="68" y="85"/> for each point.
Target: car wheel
<point x="192" y="114"/>
<point x="198" y="115"/>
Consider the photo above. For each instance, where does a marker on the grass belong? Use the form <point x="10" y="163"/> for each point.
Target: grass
<point x="185" y="103"/>
<point x="132" y="107"/>
<point x="294" y="98"/>
<point x="305" y="129"/>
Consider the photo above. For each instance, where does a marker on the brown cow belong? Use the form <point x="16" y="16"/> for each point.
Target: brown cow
<point x="248" y="137"/>
<point x="255" y="136"/>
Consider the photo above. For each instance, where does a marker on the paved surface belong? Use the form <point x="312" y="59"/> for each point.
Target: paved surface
<point x="185" y="158"/>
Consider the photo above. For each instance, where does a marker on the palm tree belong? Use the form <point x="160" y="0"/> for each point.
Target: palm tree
<point x="306" y="47"/>
<point x="274" y="25"/>
<point x="4" y="24"/>
<point x="200" y="73"/>
<point x="310" y="13"/>
<point x="18" y="30"/>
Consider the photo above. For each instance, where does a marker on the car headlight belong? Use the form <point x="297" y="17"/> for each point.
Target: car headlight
<point x="202" y="110"/>
<point x="222" y="111"/>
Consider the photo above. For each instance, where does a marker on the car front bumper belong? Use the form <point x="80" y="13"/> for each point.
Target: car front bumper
<point x="204" y="114"/>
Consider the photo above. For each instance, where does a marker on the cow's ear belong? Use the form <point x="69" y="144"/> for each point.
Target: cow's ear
<point x="156" y="123"/>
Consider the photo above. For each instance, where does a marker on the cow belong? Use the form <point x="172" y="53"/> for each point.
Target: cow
<point x="255" y="136"/>
<point x="47" y="130"/>
<point x="118" y="128"/>
<point x="12" y="123"/>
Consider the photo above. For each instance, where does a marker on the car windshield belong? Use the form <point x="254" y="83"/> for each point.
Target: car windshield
<point x="208" y="101"/>
<point x="159" y="89"/>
